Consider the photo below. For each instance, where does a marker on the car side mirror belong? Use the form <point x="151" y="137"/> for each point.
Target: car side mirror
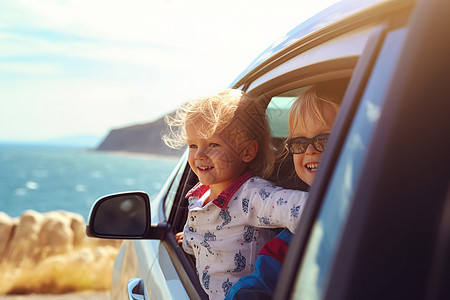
<point x="124" y="216"/>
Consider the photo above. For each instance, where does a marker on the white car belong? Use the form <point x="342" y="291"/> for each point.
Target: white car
<point x="377" y="222"/>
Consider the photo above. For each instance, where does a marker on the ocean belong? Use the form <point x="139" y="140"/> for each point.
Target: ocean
<point x="47" y="178"/>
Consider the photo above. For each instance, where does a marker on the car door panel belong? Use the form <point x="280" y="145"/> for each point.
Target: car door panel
<point x="340" y="193"/>
<point x="163" y="280"/>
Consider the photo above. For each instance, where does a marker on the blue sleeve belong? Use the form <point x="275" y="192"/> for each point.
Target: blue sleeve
<point x="262" y="282"/>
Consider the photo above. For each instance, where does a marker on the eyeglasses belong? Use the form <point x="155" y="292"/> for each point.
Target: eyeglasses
<point x="300" y="144"/>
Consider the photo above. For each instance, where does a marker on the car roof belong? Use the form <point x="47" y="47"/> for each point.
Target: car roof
<point x="335" y="18"/>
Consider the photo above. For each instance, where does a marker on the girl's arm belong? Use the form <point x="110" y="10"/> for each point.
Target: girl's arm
<point x="272" y="206"/>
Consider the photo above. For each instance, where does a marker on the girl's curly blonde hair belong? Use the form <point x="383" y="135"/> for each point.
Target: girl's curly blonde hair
<point x="232" y="113"/>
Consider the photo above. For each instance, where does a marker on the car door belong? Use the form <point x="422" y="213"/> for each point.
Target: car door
<point x="172" y="274"/>
<point x="376" y="216"/>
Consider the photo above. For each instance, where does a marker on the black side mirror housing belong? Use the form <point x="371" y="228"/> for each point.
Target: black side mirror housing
<point x="124" y="216"/>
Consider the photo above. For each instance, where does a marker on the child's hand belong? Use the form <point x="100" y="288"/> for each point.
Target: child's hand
<point x="179" y="238"/>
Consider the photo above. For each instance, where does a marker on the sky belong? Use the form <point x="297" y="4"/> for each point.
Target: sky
<point x="84" y="67"/>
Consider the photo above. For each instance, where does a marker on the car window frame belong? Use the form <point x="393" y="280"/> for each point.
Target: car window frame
<point x="419" y="88"/>
<point x="342" y="124"/>
<point x="363" y="125"/>
<point x="350" y="103"/>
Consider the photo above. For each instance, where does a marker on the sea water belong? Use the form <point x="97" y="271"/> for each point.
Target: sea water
<point x="47" y="178"/>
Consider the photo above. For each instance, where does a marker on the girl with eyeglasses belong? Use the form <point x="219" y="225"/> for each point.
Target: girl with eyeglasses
<point x="311" y="118"/>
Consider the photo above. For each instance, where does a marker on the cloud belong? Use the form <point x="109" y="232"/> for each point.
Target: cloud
<point x="30" y="68"/>
<point x="131" y="60"/>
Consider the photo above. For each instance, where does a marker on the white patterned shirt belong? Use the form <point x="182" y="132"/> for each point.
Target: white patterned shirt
<point x="226" y="235"/>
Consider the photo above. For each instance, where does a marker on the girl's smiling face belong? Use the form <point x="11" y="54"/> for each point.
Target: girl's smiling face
<point x="213" y="159"/>
<point x="306" y="164"/>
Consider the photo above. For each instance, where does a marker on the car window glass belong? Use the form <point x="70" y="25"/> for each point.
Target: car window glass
<point x="172" y="192"/>
<point x="322" y="243"/>
<point x="277" y="114"/>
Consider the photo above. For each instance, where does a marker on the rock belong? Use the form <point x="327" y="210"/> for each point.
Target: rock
<point x="7" y="227"/>
<point x="79" y="230"/>
<point x="55" y="236"/>
<point x="24" y="242"/>
<point x="50" y="253"/>
<point x="36" y="236"/>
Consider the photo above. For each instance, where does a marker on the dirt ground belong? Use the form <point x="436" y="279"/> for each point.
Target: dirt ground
<point x="74" y="296"/>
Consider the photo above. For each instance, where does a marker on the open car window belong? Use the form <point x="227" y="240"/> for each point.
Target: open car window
<point x="277" y="114"/>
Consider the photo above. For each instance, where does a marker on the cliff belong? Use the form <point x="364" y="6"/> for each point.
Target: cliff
<point x="143" y="138"/>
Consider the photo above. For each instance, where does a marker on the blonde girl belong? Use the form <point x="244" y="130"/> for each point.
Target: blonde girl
<point x="233" y="208"/>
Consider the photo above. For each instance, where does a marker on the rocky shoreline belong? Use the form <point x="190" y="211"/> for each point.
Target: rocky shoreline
<point x="49" y="253"/>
